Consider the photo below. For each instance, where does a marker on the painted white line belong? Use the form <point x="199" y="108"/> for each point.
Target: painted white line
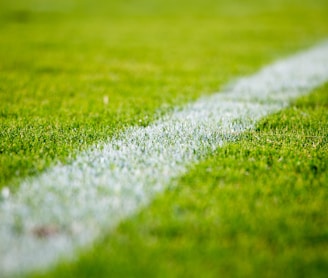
<point x="68" y="206"/>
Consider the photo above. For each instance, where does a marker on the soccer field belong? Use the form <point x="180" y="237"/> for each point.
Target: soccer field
<point x="163" y="138"/>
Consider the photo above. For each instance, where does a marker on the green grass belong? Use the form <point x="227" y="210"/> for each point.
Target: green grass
<point x="58" y="61"/>
<point x="255" y="208"/>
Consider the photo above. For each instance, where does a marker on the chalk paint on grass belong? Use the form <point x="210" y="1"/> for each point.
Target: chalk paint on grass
<point x="68" y="206"/>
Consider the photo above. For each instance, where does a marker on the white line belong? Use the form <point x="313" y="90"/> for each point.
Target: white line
<point x="68" y="206"/>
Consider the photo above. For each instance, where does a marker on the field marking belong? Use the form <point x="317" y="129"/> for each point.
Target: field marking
<point x="68" y="206"/>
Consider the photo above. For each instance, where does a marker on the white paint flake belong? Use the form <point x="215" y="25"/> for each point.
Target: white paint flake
<point x="69" y="206"/>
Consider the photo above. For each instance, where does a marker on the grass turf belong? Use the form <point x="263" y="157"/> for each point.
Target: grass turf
<point x="60" y="59"/>
<point x="255" y="208"/>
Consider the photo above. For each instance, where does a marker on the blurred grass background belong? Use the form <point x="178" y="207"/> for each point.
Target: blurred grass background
<point x="244" y="211"/>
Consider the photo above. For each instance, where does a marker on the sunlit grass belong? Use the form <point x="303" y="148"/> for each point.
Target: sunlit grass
<point x="255" y="208"/>
<point x="73" y="73"/>
<point x="57" y="66"/>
